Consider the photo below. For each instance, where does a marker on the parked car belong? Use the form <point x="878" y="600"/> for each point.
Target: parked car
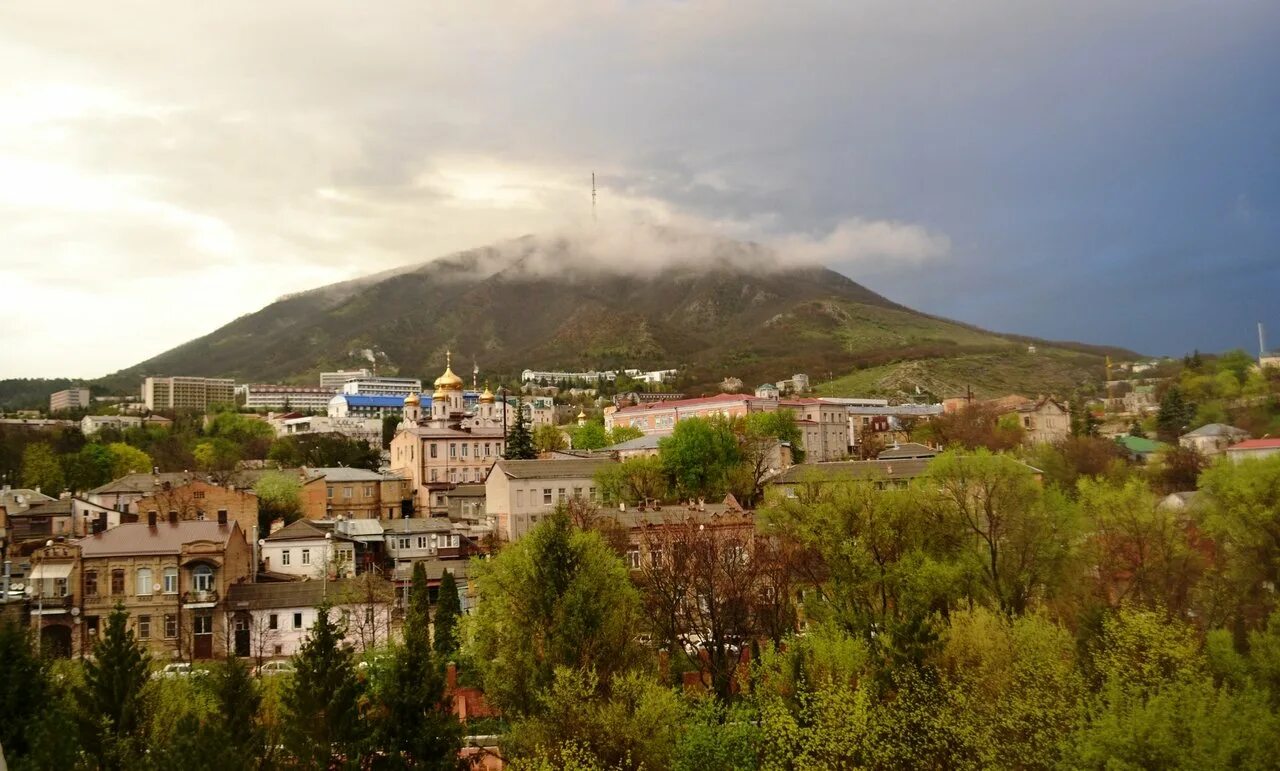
<point x="178" y="669"/>
<point x="282" y="667"/>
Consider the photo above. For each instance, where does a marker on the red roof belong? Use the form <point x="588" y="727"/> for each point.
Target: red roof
<point x="678" y="403"/>
<point x="1257" y="444"/>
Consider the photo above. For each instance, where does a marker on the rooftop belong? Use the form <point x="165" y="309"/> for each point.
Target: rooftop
<point x="289" y="594"/>
<point x="165" y="538"/>
<point x="346" y="474"/>
<point x="1256" y="444"/>
<point x="417" y="525"/>
<point x="354" y="400"/>
<point x="678" y="403"/>
<point x="145" y="482"/>
<point x="550" y="469"/>
<point x="299" y="530"/>
<point x="907" y="450"/>
<point x="1217" y="429"/>
<point x="646" y="442"/>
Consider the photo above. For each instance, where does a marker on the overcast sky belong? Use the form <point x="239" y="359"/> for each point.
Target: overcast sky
<point x="1107" y="172"/>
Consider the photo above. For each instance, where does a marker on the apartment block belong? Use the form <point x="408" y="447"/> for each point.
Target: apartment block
<point x="283" y="397"/>
<point x="187" y="393"/>
<point x="332" y="381"/>
<point x="382" y="386"/>
<point x="70" y="399"/>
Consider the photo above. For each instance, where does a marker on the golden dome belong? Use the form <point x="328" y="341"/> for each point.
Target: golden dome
<point x="448" y="381"/>
<point x="412" y="398"/>
<point x="487" y="397"/>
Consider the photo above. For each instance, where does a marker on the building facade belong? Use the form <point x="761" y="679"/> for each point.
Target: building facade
<point x="69" y="399"/>
<point x="449" y="445"/>
<point x="201" y="501"/>
<point x="824" y="427"/>
<point x="332" y="381"/>
<point x="258" y="396"/>
<point x="187" y="393"/>
<point x="354" y="493"/>
<point x="518" y="493"/>
<point x="382" y="386"/>
<point x="273" y="620"/>
<point x="305" y="552"/>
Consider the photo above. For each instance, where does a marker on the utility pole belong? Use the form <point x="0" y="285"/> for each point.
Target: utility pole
<point x="1262" y="345"/>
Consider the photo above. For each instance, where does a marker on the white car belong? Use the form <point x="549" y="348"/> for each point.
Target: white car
<point x="284" y="667"/>
<point x="176" y="669"/>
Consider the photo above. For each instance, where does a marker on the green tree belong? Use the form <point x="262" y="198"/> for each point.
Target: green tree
<point x="415" y="726"/>
<point x="227" y="733"/>
<point x="448" y="611"/>
<point x="41" y="469"/>
<point x="760" y="435"/>
<point x="633" y="481"/>
<point x="619" y="434"/>
<point x="112" y="706"/>
<point x="590" y="436"/>
<point x="1135" y="429"/>
<point x="1021" y="533"/>
<point x="1175" y="415"/>
<point x="217" y="457"/>
<point x="547" y="438"/>
<point x="557" y="597"/>
<point x="126" y="459"/>
<point x="1241" y="513"/>
<point x="324" y="451"/>
<point x="390" y="424"/>
<point x="90" y="467"/>
<point x="519" y="444"/>
<point x="279" y="497"/>
<point x="699" y="456"/>
<point x="25" y="690"/>
<point x="322" y="724"/>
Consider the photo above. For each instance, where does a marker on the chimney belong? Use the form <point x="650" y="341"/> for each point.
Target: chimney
<point x="450" y="677"/>
<point x="222" y="517"/>
<point x="173" y="517"/>
<point x="151" y="520"/>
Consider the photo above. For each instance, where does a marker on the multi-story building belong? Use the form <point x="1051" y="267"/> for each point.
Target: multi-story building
<point x="171" y="576"/>
<point x="92" y="424"/>
<point x="661" y="416"/>
<point x="70" y="399"/>
<point x="303" y="550"/>
<point x="187" y="393"/>
<point x="364" y="406"/>
<point x="273" y="620"/>
<point x="382" y="386"/>
<point x="200" y="500"/>
<point x="520" y="492"/>
<point x="332" y="381"/>
<point x="824" y="428"/>
<point x="590" y="376"/>
<point x="1044" y="421"/>
<point x="122" y="494"/>
<point x="451" y="445"/>
<point x="54" y="594"/>
<point x="68" y="517"/>
<point x="365" y="429"/>
<point x="283" y="397"/>
<point x="893" y="423"/>
<point x="354" y="493"/>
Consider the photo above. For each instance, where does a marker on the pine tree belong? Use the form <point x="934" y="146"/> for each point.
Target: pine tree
<point x="448" y="610"/>
<point x="112" y="708"/>
<point x="520" y="439"/>
<point x="237" y="715"/>
<point x="24" y="690"/>
<point x="1135" y="429"/>
<point x="323" y="726"/>
<point x="1176" y="413"/>
<point x="418" y="609"/>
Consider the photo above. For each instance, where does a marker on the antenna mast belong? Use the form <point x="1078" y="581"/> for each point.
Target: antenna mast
<point x="593" y="196"/>
<point x="1262" y="345"/>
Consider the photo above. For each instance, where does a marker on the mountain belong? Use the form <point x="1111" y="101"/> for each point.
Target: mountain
<point x="723" y="308"/>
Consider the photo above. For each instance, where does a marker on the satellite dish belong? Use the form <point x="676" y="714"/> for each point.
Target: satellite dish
<point x="75" y="611"/>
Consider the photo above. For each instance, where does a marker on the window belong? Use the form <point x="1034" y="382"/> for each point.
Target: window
<point x="198" y="494"/>
<point x="403" y="543"/>
<point x="560" y="495"/>
<point x="91" y="583"/>
<point x="222" y="515"/>
<point x="346" y="491"/>
<point x="453" y="541"/>
<point x="519" y="499"/>
<point x="433" y="475"/>
<point x="284" y="557"/>
<point x="202" y="578"/>
<point x="278" y="649"/>
<point x="475" y="450"/>
<point x="143" y="582"/>
<point x="170" y="626"/>
<point x="577" y="492"/>
<point x="486" y="449"/>
<point x="170" y="580"/>
<point x="117" y="581"/>
<point x="591" y="494"/>
<point x="422" y="542"/>
<point x="202" y="624"/>
<point x="633" y="559"/>
<point x="297" y="620"/>
<point x="144" y="627"/>
<point x="329" y="492"/>
<point x="368" y="491"/>
<point x="59" y="587"/>
<point x="306" y="556"/>
<point x="273" y="621"/>
<point x="546" y="496"/>
<point x="433" y="449"/>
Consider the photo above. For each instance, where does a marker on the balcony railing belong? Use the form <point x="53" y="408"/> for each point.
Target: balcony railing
<point x="194" y="596"/>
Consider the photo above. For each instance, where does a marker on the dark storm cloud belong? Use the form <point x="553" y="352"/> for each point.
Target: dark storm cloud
<point x="1098" y="171"/>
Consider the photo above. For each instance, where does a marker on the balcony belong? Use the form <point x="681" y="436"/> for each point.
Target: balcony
<point x="195" y="597"/>
<point x="48" y="606"/>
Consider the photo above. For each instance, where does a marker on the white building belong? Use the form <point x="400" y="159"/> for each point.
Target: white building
<point x="187" y="393"/>
<point x="652" y="376"/>
<point x="333" y="381"/>
<point x="356" y="406"/>
<point x="533" y="375"/>
<point x="302" y="550"/>
<point x="1213" y="438"/>
<point x="92" y="424"/>
<point x="70" y="399"/>
<point x="520" y="492"/>
<point x="281" y="397"/>
<point x="382" y="386"/>
<point x="273" y="620"/>
<point x="366" y="429"/>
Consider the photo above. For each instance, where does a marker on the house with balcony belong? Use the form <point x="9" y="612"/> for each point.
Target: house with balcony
<point x="53" y="593"/>
<point x="172" y="576"/>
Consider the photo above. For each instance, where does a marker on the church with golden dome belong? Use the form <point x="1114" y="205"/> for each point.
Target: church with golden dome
<point x="448" y="444"/>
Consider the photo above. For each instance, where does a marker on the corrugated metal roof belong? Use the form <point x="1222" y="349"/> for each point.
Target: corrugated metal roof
<point x="300" y="530"/>
<point x="292" y="594"/>
<point x="164" y="538"/>
<point x="550" y="469"/>
<point x="354" y="400"/>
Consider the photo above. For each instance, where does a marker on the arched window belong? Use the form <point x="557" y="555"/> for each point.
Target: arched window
<point x="143" y="581"/>
<point x="202" y="578"/>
